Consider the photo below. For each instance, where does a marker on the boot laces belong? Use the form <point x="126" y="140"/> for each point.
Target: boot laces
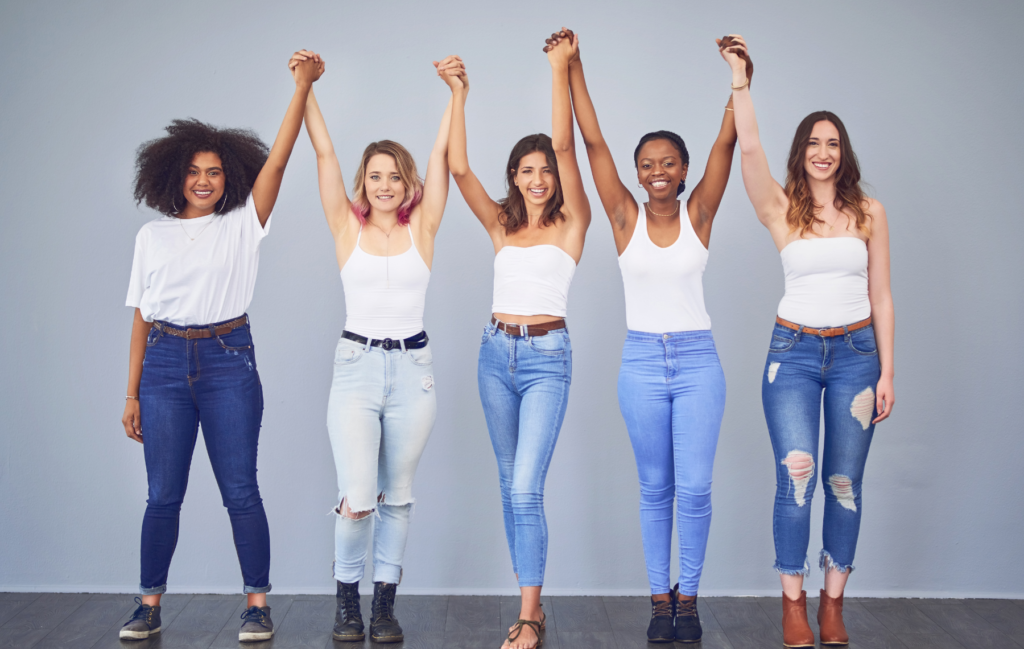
<point x="662" y="609"/>
<point x="384" y="605"/>
<point x="143" y="612"/>
<point x="686" y="608"/>
<point x="254" y="614"/>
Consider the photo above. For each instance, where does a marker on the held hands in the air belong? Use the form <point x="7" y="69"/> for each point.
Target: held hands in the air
<point x="306" y="66"/>
<point x="562" y="48"/>
<point x="452" y="71"/>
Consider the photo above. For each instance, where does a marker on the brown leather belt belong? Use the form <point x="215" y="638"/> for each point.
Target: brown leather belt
<point x="205" y="332"/>
<point x="541" y="329"/>
<point x="827" y="333"/>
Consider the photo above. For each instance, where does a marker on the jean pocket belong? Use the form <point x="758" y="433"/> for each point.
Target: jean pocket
<point x="154" y="336"/>
<point x="486" y="335"/>
<point x="347" y="352"/>
<point x="549" y="345"/>
<point x="236" y="341"/>
<point x="781" y="344"/>
<point x="862" y="341"/>
<point x="421" y="356"/>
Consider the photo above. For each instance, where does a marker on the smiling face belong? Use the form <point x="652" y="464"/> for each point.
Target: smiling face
<point x="384" y="188"/>
<point x="204" y="182"/>
<point x="822" y="155"/>
<point x="535" y="179"/>
<point x="660" y="169"/>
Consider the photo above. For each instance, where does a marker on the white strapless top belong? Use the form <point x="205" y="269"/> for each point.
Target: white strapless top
<point x="532" y="281"/>
<point x="826" y="282"/>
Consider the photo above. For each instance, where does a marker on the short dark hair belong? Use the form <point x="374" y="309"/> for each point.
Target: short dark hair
<point x="676" y="141"/>
<point x="161" y="164"/>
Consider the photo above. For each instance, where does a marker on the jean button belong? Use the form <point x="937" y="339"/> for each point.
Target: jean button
<point x="665" y="336"/>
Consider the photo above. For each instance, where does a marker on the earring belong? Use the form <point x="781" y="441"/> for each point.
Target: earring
<point x="174" y="204"/>
<point x="640" y="185"/>
<point x="223" y="201"/>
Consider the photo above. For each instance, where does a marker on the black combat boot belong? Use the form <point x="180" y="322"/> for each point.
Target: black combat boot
<point x="348" y="622"/>
<point x="383" y="625"/>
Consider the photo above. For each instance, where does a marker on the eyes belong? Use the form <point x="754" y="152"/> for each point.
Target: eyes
<point x="648" y="165"/>
<point x="832" y="145"/>
<point x="394" y="178"/>
<point x="211" y="172"/>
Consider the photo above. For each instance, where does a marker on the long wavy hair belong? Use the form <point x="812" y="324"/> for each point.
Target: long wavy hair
<point x="406" y="171"/>
<point x="803" y="211"/>
<point x="513" y="207"/>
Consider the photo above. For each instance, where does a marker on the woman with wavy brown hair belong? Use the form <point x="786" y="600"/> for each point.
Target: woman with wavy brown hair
<point x="833" y="333"/>
<point x="525" y="364"/>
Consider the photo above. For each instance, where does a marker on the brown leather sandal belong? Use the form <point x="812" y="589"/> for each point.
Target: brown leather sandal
<point x="517" y="629"/>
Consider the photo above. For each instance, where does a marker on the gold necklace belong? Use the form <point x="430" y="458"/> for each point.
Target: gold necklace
<point x="186" y="231"/>
<point x="387" y="252"/>
<point x="672" y="213"/>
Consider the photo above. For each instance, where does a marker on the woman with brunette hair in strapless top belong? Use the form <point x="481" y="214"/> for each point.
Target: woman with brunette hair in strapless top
<point x="382" y="404"/>
<point x="833" y="332"/>
<point x="671" y="384"/>
<point x="538" y="231"/>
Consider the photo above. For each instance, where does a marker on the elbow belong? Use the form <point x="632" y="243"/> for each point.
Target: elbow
<point x="560" y="146"/>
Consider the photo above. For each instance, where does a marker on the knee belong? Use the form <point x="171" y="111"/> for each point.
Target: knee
<point x="800" y="468"/>
<point x="344" y="511"/>
<point x="844" y="490"/>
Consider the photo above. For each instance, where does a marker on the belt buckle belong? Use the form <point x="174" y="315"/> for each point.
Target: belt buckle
<point x="387" y="344"/>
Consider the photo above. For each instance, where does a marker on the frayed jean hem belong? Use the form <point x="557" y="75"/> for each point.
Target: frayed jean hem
<point x="826" y="563"/>
<point x="805" y="571"/>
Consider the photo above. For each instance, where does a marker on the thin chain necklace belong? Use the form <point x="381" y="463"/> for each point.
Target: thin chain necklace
<point x="190" y="238"/>
<point x="672" y="213"/>
<point x="387" y="252"/>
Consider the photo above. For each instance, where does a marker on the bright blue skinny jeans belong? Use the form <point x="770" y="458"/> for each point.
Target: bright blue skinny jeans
<point x="672" y="396"/>
<point x="213" y="382"/>
<point x="524" y="389"/>
<point x="799" y="367"/>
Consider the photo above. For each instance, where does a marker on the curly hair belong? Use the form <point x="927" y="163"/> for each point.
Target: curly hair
<point x="513" y="207"/>
<point x="676" y="141"/>
<point x="803" y="211"/>
<point x="161" y="164"/>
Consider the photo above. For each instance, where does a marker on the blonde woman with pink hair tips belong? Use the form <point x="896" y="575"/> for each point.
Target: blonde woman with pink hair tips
<point x="382" y="405"/>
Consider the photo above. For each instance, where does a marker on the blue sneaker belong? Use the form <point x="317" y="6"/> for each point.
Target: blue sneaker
<point x="257" y="625"/>
<point x="145" y="622"/>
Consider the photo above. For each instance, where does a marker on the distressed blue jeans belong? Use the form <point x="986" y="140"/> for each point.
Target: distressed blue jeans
<point x="524" y="388"/>
<point x="799" y="368"/>
<point x="211" y="382"/>
<point x="672" y="397"/>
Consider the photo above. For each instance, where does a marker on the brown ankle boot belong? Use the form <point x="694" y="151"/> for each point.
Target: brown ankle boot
<point x="830" y="620"/>
<point x="796" y="632"/>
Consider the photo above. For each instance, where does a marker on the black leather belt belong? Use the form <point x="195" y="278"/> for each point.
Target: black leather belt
<point x="419" y="341"/>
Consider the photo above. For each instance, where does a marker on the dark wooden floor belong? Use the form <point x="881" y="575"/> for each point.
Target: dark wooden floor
<point x="80" y="621"/>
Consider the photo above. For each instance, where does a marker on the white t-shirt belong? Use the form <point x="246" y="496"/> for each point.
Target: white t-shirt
<point x="201" y="281"/>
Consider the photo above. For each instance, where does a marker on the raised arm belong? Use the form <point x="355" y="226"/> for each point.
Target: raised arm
<point x="483" y="206"/>
<point x="618" y="202"/>
<point x="435" y="186"/>
<point x="882" y="313"/>
<point x="766" y="195"/>
<point x="268" y="183"/>
<point x="563" y="140"/>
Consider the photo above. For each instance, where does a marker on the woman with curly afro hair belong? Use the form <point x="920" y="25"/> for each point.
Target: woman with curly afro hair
<point x="192" y="360"/>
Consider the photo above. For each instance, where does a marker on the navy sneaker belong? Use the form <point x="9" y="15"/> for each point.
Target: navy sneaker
<point x="145" y="622"/>
<point x="257" y="625"/>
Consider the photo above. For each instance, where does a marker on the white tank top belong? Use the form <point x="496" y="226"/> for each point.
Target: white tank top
<point x="532" y="281"/>
<point x="664" y="286"/>
<point x="826" y="282"/>
<point x="384" y="296"/>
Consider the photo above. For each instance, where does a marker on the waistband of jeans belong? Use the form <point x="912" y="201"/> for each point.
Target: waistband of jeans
<point x="827" y="332"/>
<point x="496" y="329"/>
<point x="190" y="332"/>
<point x="672" y="336"/>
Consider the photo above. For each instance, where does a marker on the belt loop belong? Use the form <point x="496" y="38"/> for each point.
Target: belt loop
<point x="524" y="331"/>
<point x="213" y="331"/>
<point x="799" y="332"/>
<point x="846" y="333"/>
<point x="401" y="343"/>
<point x="369" y="345"/>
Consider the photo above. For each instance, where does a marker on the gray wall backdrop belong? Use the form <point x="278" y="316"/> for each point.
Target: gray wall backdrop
<point x="930" y="92"/>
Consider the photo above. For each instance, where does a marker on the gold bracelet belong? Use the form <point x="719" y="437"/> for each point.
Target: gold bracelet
<point x="727" y="108"/>
<point x="741" y="86"/>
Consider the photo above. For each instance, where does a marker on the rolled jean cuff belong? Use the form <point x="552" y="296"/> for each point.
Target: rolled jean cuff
<point x="387" y="573"/>
<point x="782" y="570"/>
<point x="159" y="590"/>
<point x="826" y="563"/>
<point x="248" y="590"/>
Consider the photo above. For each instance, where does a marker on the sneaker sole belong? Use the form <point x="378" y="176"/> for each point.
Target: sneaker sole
<point x="348" y="638"/>
<point x="255" y="637"/>
<point x="125" y="634"/>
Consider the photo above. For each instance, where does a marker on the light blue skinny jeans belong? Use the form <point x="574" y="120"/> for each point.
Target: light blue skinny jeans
<point x="672" y="396"/>
<point x="524" y="389"/>
<point x="380" y="413"/>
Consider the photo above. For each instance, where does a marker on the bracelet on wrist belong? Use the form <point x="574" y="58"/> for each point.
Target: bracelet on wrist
<point x="130" y="397"/>
<point x="743" y="85"/>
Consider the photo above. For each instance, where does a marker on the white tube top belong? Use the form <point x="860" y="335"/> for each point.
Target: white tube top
<point x="664" y="286"/>
<point x="826" y="282"/>
<point x="532" y="281"/>
<point x="385" y="296"/>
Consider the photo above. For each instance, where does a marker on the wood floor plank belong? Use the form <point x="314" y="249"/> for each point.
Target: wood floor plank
<point x="466" y="638"/>
<point x="198" y="624"/>
<point x="35" y="621"/>
<point x="88" y="623"/>
<point x="1003" y="614"/>
<point x="228" y="636"/>
<point x="414" y="640"/>
<point x="754" y="638"/>
<point x="170" y="607"/>
<point x="581" y="614"/>
<point x="481" y="614"/>
<point x="965" y="624"/>
<point x="11" y="606"/>
<point x="901" y="616"/>
<point x="740" y="614"/>
<point x="420" y="614"/>
<point x="586" y="639"/>
<point x="874" y="640"/>
<point x="929" y="641"/>
<point x="308" y="623"/>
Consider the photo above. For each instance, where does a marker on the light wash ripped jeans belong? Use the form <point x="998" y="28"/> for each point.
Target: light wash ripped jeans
<point x="380" y="413"/>
<point x="524" y="389"/>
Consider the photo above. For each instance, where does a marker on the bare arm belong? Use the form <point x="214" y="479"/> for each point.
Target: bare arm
<point x="563" y="140"/>
<point x="882" y="314"/>
<point x="707" y="195"/>
<point x="435" y="186"/>
<point x="766" y="195"/>
<point x="268" y="183"/>
<point x="485" y="208"/>
<point x="132" y="418"/>
<point x="337" y="207"/>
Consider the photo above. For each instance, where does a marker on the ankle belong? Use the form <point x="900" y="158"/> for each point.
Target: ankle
<point x="662" y="597"/>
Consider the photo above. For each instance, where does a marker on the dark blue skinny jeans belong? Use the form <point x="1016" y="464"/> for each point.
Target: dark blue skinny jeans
<point x="213" y="382"/>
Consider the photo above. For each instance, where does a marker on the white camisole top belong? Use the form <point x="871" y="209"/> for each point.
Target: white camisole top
<point x="532" y="281"/>
<point x="384" y="296"/>
<point x="826" y="282"/>
<point x="664" y="286"/>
